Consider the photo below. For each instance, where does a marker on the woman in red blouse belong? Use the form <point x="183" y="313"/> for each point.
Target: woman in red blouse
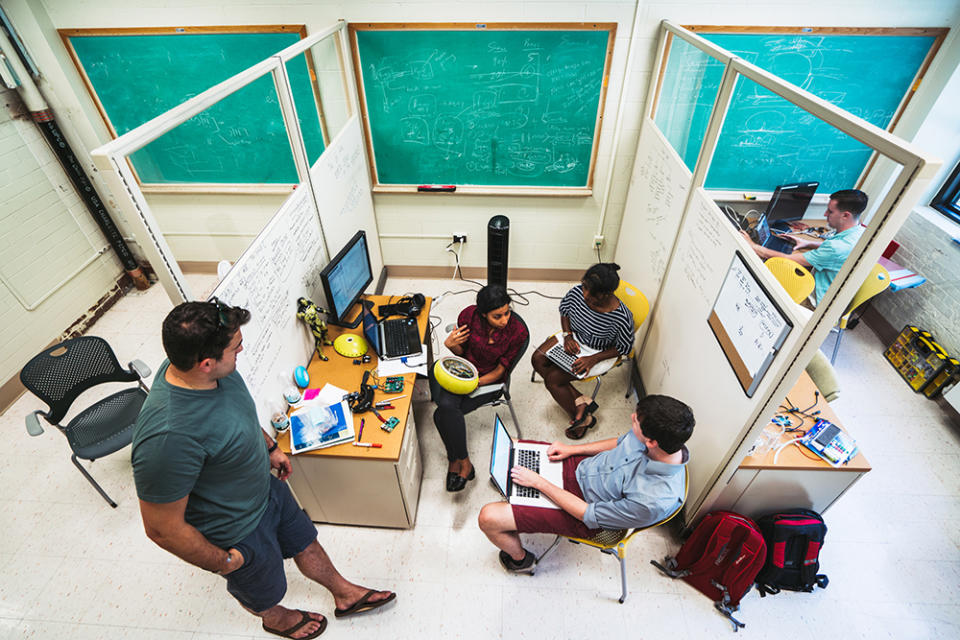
<point x="489" y="336"/>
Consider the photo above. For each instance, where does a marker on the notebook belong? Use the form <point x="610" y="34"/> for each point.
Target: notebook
<point x="505" y="454"/>
<point x="391" y="339"/>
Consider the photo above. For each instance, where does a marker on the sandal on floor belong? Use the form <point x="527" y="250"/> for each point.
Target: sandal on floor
<point x="579" y="428"/>
<point x="363" y="604"/>
<point x="305" y="619"/>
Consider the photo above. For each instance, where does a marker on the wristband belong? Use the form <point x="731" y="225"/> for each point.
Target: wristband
<point x="273" y="447"/>
<point x="566" y="334"/>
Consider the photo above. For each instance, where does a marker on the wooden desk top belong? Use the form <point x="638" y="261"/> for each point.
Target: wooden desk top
<point x="792" y="457"/>
<point x="341" y="372"/>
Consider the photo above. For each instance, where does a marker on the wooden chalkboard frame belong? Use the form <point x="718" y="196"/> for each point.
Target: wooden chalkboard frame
<point x="194" y="187"/>
<point x="938" y="33"/>
<point x="378" y="187"/>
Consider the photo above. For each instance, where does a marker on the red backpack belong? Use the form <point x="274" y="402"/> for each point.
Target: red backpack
<point x="721" y="559"/>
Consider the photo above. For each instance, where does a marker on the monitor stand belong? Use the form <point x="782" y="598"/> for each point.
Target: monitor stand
<point x="352" y="324"/>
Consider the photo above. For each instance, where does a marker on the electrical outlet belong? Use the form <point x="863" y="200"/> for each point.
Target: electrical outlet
<point x="598" y="241"/>
<point x="460" y="237"/>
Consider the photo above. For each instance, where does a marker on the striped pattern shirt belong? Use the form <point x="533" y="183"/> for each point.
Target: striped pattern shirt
<point x="598" y="330"/>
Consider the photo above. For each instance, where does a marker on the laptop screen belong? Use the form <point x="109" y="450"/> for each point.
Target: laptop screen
<point x="371" y="329"/>
<point x="789" y="201"/>
<point x="500" y="456"/>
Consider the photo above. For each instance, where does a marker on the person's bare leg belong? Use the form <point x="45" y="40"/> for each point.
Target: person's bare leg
<point x="557" y="383"/>
<point x="497" y="523"/>
<point x="314" y="563"/>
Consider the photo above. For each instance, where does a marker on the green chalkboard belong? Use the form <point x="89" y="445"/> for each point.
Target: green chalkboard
<point x="483" y="106"/>
<point x="135" y="77"/>
<point x="765" y="140"/>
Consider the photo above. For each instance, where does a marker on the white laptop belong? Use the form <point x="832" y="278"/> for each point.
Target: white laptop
<point x="558" y="355"/>
<point x="505" y="454"/>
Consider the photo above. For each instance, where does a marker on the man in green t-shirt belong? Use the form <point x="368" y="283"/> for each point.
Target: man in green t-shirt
<point x="202" y="464"/>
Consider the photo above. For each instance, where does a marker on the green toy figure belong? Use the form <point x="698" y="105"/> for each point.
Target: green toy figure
<point x="310" y="314"/>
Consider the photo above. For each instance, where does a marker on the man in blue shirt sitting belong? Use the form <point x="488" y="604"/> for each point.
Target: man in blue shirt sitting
<point x="827" y="256"/>
<point x="632" y="481"/>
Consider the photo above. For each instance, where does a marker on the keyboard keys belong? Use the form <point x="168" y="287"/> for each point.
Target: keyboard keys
<point x="530" y="460"/>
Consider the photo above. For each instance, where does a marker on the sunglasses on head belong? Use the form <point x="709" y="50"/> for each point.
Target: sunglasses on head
<point x="222" y="309"/>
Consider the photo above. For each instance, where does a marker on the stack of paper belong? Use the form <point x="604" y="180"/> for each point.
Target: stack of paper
<point x="324" y="421"/>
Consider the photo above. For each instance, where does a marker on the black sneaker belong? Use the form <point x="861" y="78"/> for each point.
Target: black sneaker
<point x="527" y="565"/>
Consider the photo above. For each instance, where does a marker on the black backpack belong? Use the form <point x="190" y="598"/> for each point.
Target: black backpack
<point x="794" y="539"/>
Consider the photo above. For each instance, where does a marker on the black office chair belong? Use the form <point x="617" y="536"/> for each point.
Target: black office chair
<point x="59" y="374"/>
<point x="504" y="385"/>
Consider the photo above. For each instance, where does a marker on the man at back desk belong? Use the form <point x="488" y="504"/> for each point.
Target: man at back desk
<point x="826" y="256"/>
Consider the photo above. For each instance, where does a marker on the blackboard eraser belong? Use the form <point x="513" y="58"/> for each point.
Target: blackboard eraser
<point x="448" y="188"/>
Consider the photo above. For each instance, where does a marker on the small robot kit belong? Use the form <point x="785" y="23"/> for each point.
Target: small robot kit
<point x="922" y="362"/>
<point x="830" y="442"/>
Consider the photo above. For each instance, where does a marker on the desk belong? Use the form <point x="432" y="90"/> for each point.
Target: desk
<point x="759" y="486"/>
<point x="345" y="484"/>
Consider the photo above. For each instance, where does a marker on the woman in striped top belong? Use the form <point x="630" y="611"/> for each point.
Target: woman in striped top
<point x="590" y="314"/>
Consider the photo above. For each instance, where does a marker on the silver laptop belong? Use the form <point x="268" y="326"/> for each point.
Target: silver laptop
<point x="564" y="360"/>
<point x="505" y="454"/>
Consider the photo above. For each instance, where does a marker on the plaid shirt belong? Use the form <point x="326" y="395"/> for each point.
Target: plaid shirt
<point x="478" y="349"/>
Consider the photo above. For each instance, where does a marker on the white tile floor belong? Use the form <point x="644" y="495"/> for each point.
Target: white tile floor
<point x="71" y="567"/>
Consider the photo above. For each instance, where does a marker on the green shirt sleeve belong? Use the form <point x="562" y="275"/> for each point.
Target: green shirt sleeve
<point x="166" y="467"/>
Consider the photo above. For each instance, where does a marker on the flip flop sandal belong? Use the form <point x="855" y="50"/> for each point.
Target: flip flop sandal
<point x="579" y="428"/>
<point x="592" y="408"/>
<point x="305" y="619"/>
<point x="363" y="605"/>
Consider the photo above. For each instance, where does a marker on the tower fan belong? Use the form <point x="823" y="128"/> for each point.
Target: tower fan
<point x="498" y="241"/>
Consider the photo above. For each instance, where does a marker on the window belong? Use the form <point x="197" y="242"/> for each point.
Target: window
<point x="947" y="201"/>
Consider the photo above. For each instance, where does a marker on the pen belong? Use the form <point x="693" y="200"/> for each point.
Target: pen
<point x="375" y="445"/>
<point x="360" y="435"/>
<point x="392" y="399"/>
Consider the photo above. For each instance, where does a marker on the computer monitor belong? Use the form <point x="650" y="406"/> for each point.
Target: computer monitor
<point x="789" y="201"/>
<point x="345" y="279"/>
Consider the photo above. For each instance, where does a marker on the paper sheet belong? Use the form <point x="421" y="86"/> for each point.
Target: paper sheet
<point x="414" y="364"/>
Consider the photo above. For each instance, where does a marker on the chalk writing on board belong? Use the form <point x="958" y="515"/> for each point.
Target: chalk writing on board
<point x="765" y="140"/>
<point x="486" y="108"/>
<point x="241" y="139"/>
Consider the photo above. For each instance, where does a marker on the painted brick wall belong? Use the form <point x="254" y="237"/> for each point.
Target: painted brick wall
<point x="47" y="238"/>
<point x="935" y="305"/>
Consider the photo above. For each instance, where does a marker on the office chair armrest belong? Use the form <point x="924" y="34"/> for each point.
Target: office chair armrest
<point x="487" y="388"/>
<point x="33" y="423"/>
<point x="140" y="368"/>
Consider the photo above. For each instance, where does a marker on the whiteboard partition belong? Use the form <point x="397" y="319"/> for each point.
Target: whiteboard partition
<point x="748" y="324"/>
<point x="283" y="263"/>
<point x="279" y="266"/>
<point x="651" y="216"/>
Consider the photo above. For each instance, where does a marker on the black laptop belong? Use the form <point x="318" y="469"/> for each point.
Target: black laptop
<point x="391" y="339"/>
<point x="762" y="235"/>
